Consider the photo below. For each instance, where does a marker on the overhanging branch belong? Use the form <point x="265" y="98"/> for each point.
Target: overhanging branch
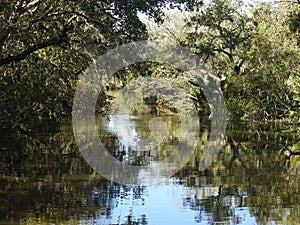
<point x="28" y="51"/>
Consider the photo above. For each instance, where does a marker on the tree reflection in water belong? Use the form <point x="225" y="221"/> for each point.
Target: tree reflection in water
<point x="251" y="182"/>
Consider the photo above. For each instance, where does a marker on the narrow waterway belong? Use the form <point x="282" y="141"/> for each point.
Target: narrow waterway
<point x="251" y="181"/>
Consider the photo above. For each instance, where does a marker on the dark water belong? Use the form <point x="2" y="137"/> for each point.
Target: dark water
<point x="45" y="180"/>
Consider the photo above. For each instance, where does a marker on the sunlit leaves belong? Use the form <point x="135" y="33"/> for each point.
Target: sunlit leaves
<point x="255" y="54"/>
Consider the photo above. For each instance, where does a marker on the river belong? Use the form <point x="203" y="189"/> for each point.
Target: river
<point x="46" y="180"/>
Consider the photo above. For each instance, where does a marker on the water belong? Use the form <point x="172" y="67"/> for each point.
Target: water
<point x="45" y="180"/>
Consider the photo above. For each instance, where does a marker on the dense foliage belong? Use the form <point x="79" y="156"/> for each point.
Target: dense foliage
<point x="255" y="55"/>
<point x="46" y="46"/>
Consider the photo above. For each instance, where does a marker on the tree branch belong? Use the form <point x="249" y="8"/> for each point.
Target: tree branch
<point x="13" y="58"/>
<point x="224" y="52"/>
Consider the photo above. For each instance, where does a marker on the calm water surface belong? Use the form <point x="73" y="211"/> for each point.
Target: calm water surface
<point x="45" y="180"/>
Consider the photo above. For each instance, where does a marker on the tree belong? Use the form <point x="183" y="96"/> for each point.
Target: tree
<point x="46" y="46"/>
<point x="268" y="88"/>
<point x="254" y="55"/>
<point x="220" y="34"/>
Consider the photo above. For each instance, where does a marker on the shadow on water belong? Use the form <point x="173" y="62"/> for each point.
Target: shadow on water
<point x="45" y="179"/>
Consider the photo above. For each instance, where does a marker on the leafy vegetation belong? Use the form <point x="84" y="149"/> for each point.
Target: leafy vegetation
<point x="46" y="46"/>
<point x="255" y="55"/>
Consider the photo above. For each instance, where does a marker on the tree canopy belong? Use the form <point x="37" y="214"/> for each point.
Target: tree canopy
<point x="255" y="54"/>
<point x="46" y="46"/>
